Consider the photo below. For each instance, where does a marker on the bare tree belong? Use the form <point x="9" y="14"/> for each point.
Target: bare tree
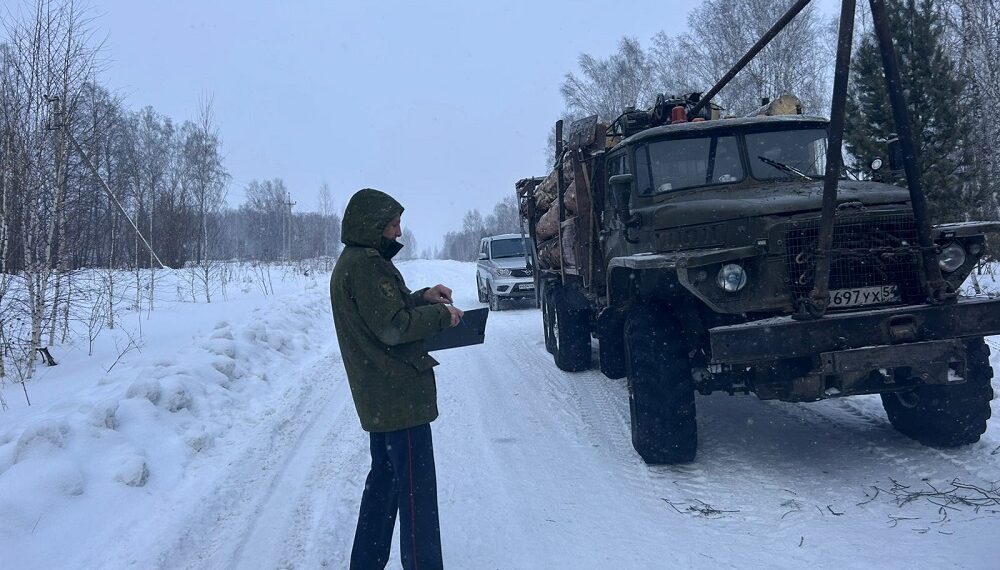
<point x="207" y="179"/>
<point x="973" y="38"/>
<point x="326" y="210"/>
<point x="798" y="61"/>
<point x="606" y="86"/>
<point x="48" y="61"/>
<point x="409" y="242"/>
<point x="505" y="218"/>
<point x="205" y="174"/>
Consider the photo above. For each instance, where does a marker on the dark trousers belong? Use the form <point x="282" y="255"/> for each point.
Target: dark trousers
<point x="402" y="479"/>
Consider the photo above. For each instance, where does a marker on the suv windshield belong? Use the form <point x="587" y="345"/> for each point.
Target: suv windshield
<point x="683" y="163"/>
<point x="802" y="150"/>
<point x="507" y="248"/>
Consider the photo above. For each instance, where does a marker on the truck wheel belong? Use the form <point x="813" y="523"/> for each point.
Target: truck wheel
<point x="479" y="290"/>
<point x="570" y="334"/>
<point x="548" y="316"/>
<point x="661" y="390"/>
<point x="947" y="416"/>
<point x="492" y="298"/>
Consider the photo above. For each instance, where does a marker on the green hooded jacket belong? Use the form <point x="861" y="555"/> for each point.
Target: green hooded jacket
<point x="380" y="324"/>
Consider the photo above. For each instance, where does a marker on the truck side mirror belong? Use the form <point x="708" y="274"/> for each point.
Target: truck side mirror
<point x="620" y="185"/>
<point x="483" y="256"/>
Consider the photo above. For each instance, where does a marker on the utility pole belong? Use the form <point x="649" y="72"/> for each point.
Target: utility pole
<point x="288" y="226"/>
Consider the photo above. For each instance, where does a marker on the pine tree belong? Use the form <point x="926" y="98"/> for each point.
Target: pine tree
<point x="933" y="92"/>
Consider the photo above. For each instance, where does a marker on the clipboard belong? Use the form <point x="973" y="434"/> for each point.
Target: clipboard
<point x="471" y="330"/>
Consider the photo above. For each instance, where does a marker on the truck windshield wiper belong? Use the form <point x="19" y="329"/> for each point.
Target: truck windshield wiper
<point x="784" y="167"/>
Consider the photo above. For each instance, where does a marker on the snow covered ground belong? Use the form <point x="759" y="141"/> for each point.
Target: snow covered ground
<point x="230" y="441"/>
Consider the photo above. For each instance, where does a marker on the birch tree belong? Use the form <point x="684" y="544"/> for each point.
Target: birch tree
<point x="47" y="64"/>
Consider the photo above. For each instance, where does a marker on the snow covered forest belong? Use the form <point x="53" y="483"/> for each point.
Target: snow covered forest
<point x="78" y="169"/>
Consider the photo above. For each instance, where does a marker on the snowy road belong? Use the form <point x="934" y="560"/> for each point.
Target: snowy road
<point x="536" y="470"/>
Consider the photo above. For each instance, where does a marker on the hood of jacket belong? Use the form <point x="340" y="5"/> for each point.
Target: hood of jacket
<point x="365" y="218"/>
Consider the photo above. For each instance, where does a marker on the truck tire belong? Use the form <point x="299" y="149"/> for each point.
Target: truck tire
<point x="548" y="316"/>
<point x="661" y="390"/>
<point x="479" y="290"/>
<point x="491" y="297"/>
<point x="947" y="416"/>
<point x="570" y="333"/>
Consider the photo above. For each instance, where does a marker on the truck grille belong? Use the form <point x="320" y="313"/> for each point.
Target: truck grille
<point x="867" y="251"/>
<point x="520" y="273"/>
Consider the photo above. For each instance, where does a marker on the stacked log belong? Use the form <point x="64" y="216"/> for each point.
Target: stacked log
<point x="548" y="254"/>
<point x="546" y="195"/>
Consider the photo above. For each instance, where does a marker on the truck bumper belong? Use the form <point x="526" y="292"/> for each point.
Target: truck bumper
<point x="878" y="336"/>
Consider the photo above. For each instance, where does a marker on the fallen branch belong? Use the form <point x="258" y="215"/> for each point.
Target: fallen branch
<point x="702" y="509"/>
<point x="132" y="345"/>
<point x="895" y="520"/>
<point x="953" y="498"/>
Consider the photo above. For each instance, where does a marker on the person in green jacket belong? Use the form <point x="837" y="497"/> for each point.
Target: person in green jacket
<point x="381" y="326"/>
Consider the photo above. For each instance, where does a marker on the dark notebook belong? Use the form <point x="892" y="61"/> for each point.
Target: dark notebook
<point x="472" y="330"/>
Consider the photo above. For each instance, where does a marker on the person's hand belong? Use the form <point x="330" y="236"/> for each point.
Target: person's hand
<point x="456" y="314"/>
<point x="437" y="294"/>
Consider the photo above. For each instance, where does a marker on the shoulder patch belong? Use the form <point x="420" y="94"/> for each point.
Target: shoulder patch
<point x="388" y="289"/>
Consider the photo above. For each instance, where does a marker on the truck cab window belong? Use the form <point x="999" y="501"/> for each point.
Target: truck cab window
<point x="685" y="163"/>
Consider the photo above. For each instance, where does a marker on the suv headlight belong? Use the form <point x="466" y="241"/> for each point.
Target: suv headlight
<point x="731" y="278"/>
<point x="501" y="272"/>
<point x="952" y="257"/>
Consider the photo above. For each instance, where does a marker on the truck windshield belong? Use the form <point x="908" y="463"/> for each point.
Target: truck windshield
<point x="507" y="248"/>
<point x="683" y="163"/>
<point x="779" y="154"/>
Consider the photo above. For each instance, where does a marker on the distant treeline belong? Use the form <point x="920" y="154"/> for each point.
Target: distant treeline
<point x="168" y="176"/>
<point x="463" y="245"/>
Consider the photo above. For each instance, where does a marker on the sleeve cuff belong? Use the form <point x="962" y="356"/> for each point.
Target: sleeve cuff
<point x="418" y="296"/>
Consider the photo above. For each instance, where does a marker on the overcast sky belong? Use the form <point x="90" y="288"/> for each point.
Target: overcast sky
<point x="444" y="105"/>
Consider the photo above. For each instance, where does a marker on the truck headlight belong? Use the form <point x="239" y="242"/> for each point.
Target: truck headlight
<point x="501" y="272"/>
<point x="731" y="278"/>
<point x="952" y="257"/>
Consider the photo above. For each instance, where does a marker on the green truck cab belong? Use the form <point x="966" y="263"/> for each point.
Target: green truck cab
<point x="688" y="250"/>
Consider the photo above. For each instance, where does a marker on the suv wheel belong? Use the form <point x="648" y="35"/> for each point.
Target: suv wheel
<point x="479" y="290"/>
<point x="570" y="333"/>
<point x="661" y="390"/>
<point x="492" y="298"/>
<point x="947" y="416"/>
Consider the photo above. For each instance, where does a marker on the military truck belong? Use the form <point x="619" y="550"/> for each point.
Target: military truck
<point x="688" y="245"/>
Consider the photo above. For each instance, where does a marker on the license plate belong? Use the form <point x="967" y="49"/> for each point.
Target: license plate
<point x="526" y="286"/>
<point x="861" y="296"/>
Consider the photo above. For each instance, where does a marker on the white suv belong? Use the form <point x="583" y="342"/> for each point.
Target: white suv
<point x="502" y="271"/>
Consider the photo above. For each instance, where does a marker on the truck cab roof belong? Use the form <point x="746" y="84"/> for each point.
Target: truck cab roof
<point x="740" y="123"/>
<point x="505" y="236"/>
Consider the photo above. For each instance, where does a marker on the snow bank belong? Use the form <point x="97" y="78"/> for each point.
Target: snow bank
<point x="94" y="444"/>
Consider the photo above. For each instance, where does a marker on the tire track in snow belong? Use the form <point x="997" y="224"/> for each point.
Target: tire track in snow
<point x="842" y="417"/>
<point x="254" y="517"/>
<point x="285" y="517"/>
